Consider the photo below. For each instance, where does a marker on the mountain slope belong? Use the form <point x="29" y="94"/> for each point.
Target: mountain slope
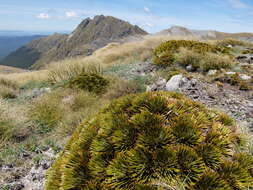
<point x="27" y="55"/>
<point x="9" y="44"/>
<point x="205" y="34"/>
<point x="90" y="35"/>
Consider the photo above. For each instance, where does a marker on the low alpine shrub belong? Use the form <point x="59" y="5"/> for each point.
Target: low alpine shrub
<point x="149" y="141"/>
<point x="165" y="53"/>
<point x="90" y="82"/>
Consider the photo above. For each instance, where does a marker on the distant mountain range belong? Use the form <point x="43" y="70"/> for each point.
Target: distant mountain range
<point x="9" y="44"/>
<point x="92" y="34"/>
<point x="89" y="36"/>
<point x="16" y="33"/>
<point x="205" y="34"/>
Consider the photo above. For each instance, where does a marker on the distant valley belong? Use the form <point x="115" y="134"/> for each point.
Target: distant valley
<point x="11" y="43"/>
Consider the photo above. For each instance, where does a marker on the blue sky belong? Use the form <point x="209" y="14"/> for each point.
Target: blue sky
<point x="151" y="15"/>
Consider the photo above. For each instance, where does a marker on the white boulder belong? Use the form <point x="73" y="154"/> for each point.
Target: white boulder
<point x="175" y="83"/>
<point x="245" y="77"/>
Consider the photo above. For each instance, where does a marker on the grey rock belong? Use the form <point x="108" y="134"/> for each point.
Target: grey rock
<point x="190" y="68"/>
<point x="15" y="186"/>
<point x="158" y="85"/>
<point x="230" y="73"/>
<point x="211" y="72"/>
<point x="245" y="59"/>
<point x="175" y="83"/>
<point x="245" y="77"/>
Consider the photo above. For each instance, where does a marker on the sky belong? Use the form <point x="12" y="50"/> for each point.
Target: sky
<point x="151" y="15"/>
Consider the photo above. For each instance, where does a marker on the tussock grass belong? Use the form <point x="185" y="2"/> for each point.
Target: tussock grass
<point x="46" y="113"/>
<point x="112" y="54"/>
<point x="234" y="42"/>
<point x="140" y="50"/>
<point x="61" y="109"/>
<point x="8" y="88"/>
<point x="69" y="69"/>
<point x="55" y="115"/>
<point x="24" y="77"/>
<point x="119" y="88"/>
<point x="12" y="129"/>
<point x="204" y="62"/>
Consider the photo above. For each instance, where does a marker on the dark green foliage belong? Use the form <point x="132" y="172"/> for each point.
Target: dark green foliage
<point x="235" y="175"/>
<point x="149" y="141"/>
<point x="90" y="82"/>
<point x="9" y="44"/>
<point x="165" y="53"/>
<point x="24" y="58"/>
<point x="246" y="161"/>
<point x="211" y="155"/>
<point x="190" y="164"/>
<point x="186" y="132"/>
<point x="210" y="181"/>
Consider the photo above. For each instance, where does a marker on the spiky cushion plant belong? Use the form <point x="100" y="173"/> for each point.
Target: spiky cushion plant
<point x="153" y="141"/>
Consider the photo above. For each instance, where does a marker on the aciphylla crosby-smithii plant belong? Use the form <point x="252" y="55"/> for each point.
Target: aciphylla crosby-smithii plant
<point x="153" y="141"/>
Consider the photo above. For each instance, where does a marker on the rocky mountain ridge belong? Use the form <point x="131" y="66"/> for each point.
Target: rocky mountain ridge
<point x="90" y="35"/>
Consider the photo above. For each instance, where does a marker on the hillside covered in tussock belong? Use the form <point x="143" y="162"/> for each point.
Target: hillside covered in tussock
<point x="84" y="119"/>
<point x="90" y="35"/>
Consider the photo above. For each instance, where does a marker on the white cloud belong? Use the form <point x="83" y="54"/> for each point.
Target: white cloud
<point x="149" y="24"/>
<point x="146" y="9"/>
<point x="71" y="14"/>
<point x="43" y="16"/>
<point x="238" y="4"/>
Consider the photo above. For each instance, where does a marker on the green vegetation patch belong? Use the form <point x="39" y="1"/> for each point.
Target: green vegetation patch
<point x="164" y="54"/>
<point x="234" y="42"/>
<point x="90" y="82"/>
<point x="150" y="141"/>
<point x="203" y="62"/>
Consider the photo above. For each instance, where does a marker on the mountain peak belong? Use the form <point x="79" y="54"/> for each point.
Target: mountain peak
<point x="90" y="35"/>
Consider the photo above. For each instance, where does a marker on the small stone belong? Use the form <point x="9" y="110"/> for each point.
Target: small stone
<point x="26" y="154"/>
<point x="158" y="85"/>
<point x="175" y="83"/>
<point x="211" y="72"/>
<point x="245" y="77"/>
<point x="190" y="68"/>
<point x="45" y="165"/>
<point x="230" y="73"/>
<point x="48" y="90"/>
<point x="161" y="82"/>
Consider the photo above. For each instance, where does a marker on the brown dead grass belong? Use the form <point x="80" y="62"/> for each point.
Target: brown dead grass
<point x="24" y="77"/>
